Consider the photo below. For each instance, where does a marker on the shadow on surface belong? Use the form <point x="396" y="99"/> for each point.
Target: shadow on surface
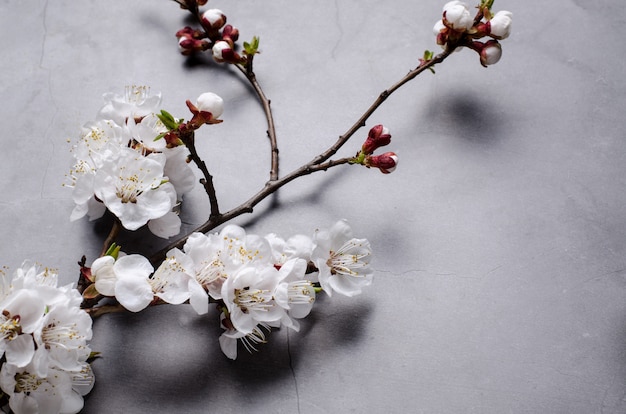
<point x="169" y="356"/>
<point x="467" y="116"/>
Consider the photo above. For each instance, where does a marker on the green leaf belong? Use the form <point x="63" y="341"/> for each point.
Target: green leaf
<point x="428" y="54"/>
<point x="251" y="48"/>
<point x="487" y="3"/>
<point x="113" y="250"/>
<point x="167" y="119"/>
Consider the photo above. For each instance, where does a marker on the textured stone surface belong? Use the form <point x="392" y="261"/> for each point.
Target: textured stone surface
<point x="500" y="241"/>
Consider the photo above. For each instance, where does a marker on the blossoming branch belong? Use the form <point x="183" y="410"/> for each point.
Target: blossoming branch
<point x="134" y="163"/>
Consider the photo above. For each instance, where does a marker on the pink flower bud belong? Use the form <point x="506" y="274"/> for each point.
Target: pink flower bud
<point x="456" y="16"/>
<point x="210" y="102"/>
<point x="188" y="45"/>
<point x="214" y="19"/>
<point x="223" y="52"/>
<point x="490" y="53"/>
<point x="230" y="33"/>
<point x="208" y="108"/>
<point x="377" y="137"/>
<point x="441" y="31"/>
<point x="500" y="25"/>
<point x="386" y="162"/>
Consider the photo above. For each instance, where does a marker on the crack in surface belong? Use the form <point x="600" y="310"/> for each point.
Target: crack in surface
<point x="45" y="34"/>
<point x="293" y="372"/>
<point x="47" y="132"/>
<point x="338" y="22"/>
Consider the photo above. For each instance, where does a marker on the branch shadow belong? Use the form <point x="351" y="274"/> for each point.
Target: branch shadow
<point x="467" y="116"/>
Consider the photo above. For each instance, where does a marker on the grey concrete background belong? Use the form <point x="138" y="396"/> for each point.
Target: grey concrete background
<point x="500" y="241"/>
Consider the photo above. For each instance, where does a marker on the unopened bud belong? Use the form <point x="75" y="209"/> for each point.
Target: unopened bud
<point x="214" y="19"/>
<point x="456" y="16"/>
<point x="490" y="52"/>
<point x="441" y="31"/>
<point x="223" y="52"/>
<point x="386" y="162"/>
<point x="230" y="33"/>
<point x="188" y="45"/>
<point x="377" y="137"/>
<point x="210" y="102"/>
<point x="500" y="25"/>
<point x="208" y="108"/>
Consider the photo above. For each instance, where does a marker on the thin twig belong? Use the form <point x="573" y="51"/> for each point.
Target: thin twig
<point x="115" y="230"/>
<point x="248" y="206"/>
<point x="426" y="65"/>
<point x="319" y="163"/>
<point x="207" y="182"/>
<point x="271" y="128"/>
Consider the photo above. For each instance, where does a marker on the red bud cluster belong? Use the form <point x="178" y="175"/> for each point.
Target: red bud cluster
<point x="378" y="136"/>
<point x="191" y="41"/>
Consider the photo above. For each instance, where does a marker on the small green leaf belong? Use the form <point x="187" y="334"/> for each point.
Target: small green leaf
<point x="251" y="48"/>
<point x="487" y="3"/>
<point x="167" y="119"/>
<point x="428" y="54"/>
<point x="113" y="250"/>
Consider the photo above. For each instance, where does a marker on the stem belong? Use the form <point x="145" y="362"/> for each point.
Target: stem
<point x="379" y="101"/>
<point x="271" y="129"/>
<point x="321" y="162"/>
<point x="115" y="230"/>
<point x="251" y="77"/>
<point x="104" y="309"/>
<point x="207" y="182"/>
<point x="248" y="206"/>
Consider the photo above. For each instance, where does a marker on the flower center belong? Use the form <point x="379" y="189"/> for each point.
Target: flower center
<point x="136" y="94"/>
<point x="210" y="272"/>
<point x="348" y="259"/>
<point x="27" y="382"/>
<point x="253" y="299"/>
<point x="10" y="326"/>
<point x="300" y="292"/>
<point x="129" y="187"/>
<point x="55" y="334"/>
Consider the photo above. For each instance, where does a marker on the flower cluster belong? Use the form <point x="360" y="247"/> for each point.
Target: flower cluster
<point x="121" y="165"/>
<point x="458" y="27"/>
<point x="216" y="35"/>
<point x="43" y="343"/>
<point x="257" y="282"/>
<point x="378" y="136"/>
<point x="133" y="161"/>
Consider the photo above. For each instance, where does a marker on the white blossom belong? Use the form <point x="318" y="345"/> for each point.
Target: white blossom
<point x="294" y="293"/>
<point x="136" y="103"/>
<point x="44" y="338"/>
<point x="134" y="188"/>
<point x="342" y="260"/>
<point x="249" y="297"/>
